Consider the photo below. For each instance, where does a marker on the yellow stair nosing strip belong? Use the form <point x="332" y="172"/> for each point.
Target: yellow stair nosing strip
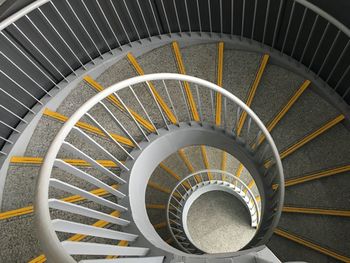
<point x="312" y="136"/>
<point x="75" y="162"/>
<point x="156" y="206"/>
<point x="219" y="83"/>
<point x="206" y="161"/>
<point x="286" y="108"/>
<point x="317" y="211"/>
<point x="253" y="90"/>
<point x="88" y="127"/>
<point x="159" y="99"/>
<point x="317" y="175"/>
<point x="160" y="225"/>
<point x="187" y="88"/>
<point x="311" y="245"/>
<point x="239" y="170"/>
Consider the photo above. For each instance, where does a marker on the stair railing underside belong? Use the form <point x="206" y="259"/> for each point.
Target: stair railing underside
<point x="64" y="52"/>
<point x="135" y="174"/>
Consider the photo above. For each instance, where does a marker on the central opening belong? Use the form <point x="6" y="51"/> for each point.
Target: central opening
<point x="219" y="222"/>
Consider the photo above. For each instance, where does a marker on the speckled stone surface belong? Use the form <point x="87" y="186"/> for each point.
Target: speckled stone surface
<point x="218" y="223"/>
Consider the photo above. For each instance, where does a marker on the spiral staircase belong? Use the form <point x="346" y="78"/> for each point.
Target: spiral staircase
<point x="174" y="131"/>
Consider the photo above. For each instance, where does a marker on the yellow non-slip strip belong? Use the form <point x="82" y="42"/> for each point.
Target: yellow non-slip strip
<point x="75" y="162"/>
<point x="122" y="243"/>
<point x="119" y="105"/>
<point x="223" y="164"/>
<point x="161" y="188"/>
<point x="317" y="175"/>
<point x="71" y="199"/>
<point x="252" y="91"/>
<point x="286" y="108"/>
<point x="155" y="206"/>
<point x="78" y="237"/>
<point x="219" y="82"/>
<point x="181" y="68"/>
<point x="87" y="127"/>
<point x="315" y="211"/>
<point x="206" y="161"/>
<point x="311" y="245"/>
<point x="173" y="174"/>
<point x="188" y="164"/>
<point x="250" y="185"/>
<point x="308" y="138"/>
<point x="159" y="99"/>
<point x="160" y="225"/>
<point x="239" y="170"/>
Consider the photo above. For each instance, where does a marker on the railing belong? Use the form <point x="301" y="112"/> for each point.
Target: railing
<point x="48" y="43"/>
<point x="192" y="101"/>
<point x="180" y="201"/>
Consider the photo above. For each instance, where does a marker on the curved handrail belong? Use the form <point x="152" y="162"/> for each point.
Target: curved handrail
<point x="49" y="240"/>
<point x="193" y="188"/>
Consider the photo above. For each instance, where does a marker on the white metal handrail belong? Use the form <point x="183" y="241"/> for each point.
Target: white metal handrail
<point x="59" y="251"/>
<point x="224" y="180"/>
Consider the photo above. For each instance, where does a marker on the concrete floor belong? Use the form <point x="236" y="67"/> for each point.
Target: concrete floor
<point x="218" y="222"/>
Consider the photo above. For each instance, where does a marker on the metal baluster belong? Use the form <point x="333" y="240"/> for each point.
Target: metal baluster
<point x="319" y="44"/>
<point x="170" y="100"/>
<point x="3" y="153"/>
<point x="37" y="49"/>
<point x="338" y="60"/>
<point x="309" y="38"/>
<point x="22" y="104"/>
<point x="10" y="127"/>
<point x="212" y="105"/>
<point x="6" y="140"/>
<point x="99" y="125"/>
<point x="266" y="147"/>
<point x="71" y="30"/>
<point x="199" y="18"/>
<point x="328" y="53"/>
<point x="31" y="61"/>
<point x="199" y="104"/>
<point x="248" y="126"/>
<point x="276" y="25"/>
<point x="243" y="19"/>
<point x="342" y="78"/>
<point x="266" y="21"/>
<point x="232" y="16"/>
<point x="210" y="23"/>
<point x="238" y="115"/>
<point x="177" y="17"/>
<point x="84" y="28"/>
<point x="346" y="93"/>
<point x="225" y="113"/>
<point x="23" y="89"/>
<point x="132" y="20"/>
<point x="185" y="100"/>
<point x="109" y="25"/>
<point x="144" y="110"/>
<point x="97" y="27"/>
<point x="144" y="20"/>
<point x="257" y="139"/>
<point x="154" y="17"/>
<point x="299" y="31"/>
<point x="51" y="45"/>
<point x="132" y="116"/>
<point x="36" y="83"/>
<point x="288" y="27"/>
<point x="60" y="36"/>
<point x="14" y="114"/>
<point x="166" y="17"/>
<point x="120" y="22"/>
<point x="221" y="18"/>
<point x="120" y="125"/>
<point x="158" y="106"/>
<point x="254" y="19"/>
<point x="188" y="17"/>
